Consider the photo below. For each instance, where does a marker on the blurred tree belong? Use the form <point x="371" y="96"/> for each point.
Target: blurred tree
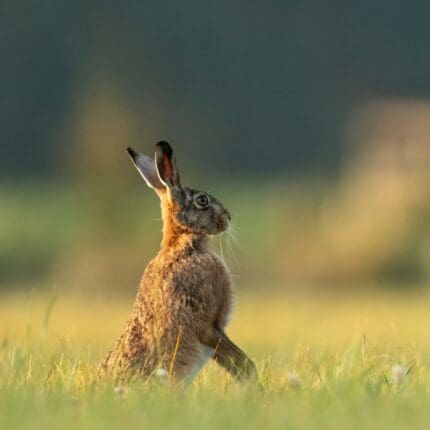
<point x="227" y="79"/>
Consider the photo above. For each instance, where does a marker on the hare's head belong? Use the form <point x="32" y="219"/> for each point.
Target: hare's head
<point x="189" y="210"/>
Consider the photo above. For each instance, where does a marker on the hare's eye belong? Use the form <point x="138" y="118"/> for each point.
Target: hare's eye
<point x="202" y="200"/>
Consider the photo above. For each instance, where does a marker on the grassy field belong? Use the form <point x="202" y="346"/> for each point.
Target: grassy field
<point x="354" y="362"/>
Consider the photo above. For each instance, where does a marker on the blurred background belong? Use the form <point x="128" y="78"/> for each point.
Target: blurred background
<point x="310" y="122"/>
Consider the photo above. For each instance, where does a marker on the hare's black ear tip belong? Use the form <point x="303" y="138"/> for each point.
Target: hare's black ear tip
<point x="164" y="147"/>
<point x="131" y="152"/>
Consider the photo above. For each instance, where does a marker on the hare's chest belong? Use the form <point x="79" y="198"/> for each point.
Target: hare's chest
<point x="222" y="292"/>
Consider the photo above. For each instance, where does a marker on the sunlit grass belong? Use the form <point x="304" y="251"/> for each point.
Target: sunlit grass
<point x="357" y="362"/>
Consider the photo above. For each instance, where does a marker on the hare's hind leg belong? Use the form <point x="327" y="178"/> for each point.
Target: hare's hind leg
<point x="187" y="360"/>
<point x="231" y="357"/>
<point x="204" y="356"/>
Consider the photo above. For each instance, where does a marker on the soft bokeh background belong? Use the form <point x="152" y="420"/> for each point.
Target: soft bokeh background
<point x="309" y="120"/>
<point x="311" y="123"/>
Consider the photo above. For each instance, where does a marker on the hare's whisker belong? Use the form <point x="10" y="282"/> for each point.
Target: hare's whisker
<point x="233" y="257"/>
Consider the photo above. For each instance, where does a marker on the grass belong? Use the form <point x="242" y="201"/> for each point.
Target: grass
<point x="324" y="363"/>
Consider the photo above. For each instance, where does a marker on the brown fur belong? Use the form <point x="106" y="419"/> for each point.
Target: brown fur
<point x="185" y="294"/>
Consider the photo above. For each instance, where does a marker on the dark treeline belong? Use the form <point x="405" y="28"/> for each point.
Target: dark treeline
<point x="253" y="85"/>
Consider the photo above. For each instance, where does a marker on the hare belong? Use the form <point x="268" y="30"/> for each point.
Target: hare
<point x="185" y="296"/>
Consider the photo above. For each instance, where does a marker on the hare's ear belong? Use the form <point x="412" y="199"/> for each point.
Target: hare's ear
<point x="146" y="167"/>
<point x="166" y="165"/>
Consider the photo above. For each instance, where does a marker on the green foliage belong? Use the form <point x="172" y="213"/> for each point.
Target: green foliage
<point x="283" y="234"/>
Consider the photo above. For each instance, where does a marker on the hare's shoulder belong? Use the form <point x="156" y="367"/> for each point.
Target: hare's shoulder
<point x="186" y="271"/>
<point x="201" y="268"/>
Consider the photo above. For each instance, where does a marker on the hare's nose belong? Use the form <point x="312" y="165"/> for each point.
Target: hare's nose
<point x="227" y="215"/>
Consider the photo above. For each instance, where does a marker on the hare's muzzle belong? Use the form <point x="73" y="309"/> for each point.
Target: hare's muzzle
<point x="224" y="220"/>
